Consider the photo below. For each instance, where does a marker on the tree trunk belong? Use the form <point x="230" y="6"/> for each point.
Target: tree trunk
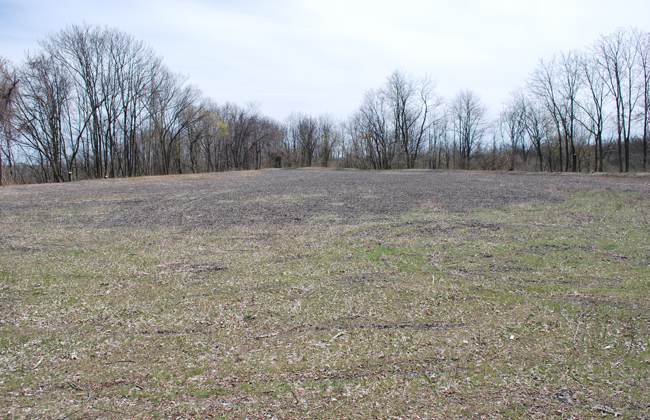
<point x="559" y="142"/>
<point x="574" y="157"/>
<point x="627" y="153"/>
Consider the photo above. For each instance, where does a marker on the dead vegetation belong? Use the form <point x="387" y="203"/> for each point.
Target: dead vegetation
<point x="314" y="293"/>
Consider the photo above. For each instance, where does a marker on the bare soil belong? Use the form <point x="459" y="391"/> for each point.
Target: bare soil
<point x="226" y="200"/>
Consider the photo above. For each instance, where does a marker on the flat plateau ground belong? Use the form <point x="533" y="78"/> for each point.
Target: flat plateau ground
<point x="324" y="293"/>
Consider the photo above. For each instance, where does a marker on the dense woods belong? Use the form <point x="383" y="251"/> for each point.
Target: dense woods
<point x="97" y="103"/>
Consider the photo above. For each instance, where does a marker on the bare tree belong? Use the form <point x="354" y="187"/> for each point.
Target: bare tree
<point x="204" y="136"/>
<point x="49" y="122"/>
<point x="513" y="124"/>
<point x="355" y="145"/>
<point x="171" y="109"/>
<point x="373" y="124"/>
<point x="437" y="139"/>
<point x="248" y="134"/>
<point x="308" y="135"/>
<point x="412" y="103"/>
<point x="538" y="127"/>
<point x="395" y="120"/>
<point x="569" y="87"/>
<point x="80" y="51"/>
<point x="113" y="81"/>
<point x="643" y="50"/>
<point x="309" y="138"/>
<point x="556" y="84"/>
<point x="8" y="93"/>
<point x="617" y="59"/>
<point x="330" y="138"/>
<point x="543" y="84"/>
<point x="133" y="68"/>
<point x="468" y="121"/>
<point x="121" y="112"/>
<point x="593" y="106"/>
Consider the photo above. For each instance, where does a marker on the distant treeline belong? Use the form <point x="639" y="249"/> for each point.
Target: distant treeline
<point x="96" y="103"/>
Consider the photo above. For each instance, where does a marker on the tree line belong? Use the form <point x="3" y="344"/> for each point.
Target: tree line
<point x="94" y="102"/>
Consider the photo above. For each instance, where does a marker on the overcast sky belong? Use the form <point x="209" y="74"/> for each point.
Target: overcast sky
<point x="320" y="56"/>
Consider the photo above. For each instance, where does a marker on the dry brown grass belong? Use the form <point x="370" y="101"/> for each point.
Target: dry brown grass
<point x="298" y="306"/>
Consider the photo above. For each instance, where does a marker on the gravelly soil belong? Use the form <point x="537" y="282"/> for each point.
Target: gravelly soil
<point x="217" y="201"/>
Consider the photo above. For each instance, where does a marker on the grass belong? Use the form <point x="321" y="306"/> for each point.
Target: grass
<point x="528" y="311"/>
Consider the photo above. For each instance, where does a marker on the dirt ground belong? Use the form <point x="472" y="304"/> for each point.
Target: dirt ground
<point x="320" y="293"/>
<point x="222" y="201"/>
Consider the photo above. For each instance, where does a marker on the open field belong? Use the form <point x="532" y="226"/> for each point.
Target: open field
<point x="322" y="294"/>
